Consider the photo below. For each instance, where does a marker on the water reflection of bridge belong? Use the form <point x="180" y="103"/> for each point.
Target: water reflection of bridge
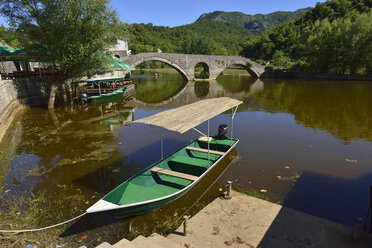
<point x="188" y="95"/>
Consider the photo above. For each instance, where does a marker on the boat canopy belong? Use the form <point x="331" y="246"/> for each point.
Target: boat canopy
<point x="189" y="116"/>
<point x="115" y="64"/>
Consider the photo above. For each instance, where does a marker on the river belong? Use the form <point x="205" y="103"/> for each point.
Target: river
<point x="304" y="144"/>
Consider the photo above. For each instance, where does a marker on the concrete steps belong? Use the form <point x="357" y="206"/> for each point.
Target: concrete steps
<point x="154" y="241"/>
<point x="124" y="243"/>
<point x="163" y="241"/>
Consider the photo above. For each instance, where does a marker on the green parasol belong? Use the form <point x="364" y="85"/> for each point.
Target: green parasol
<point x="115" y="64"/>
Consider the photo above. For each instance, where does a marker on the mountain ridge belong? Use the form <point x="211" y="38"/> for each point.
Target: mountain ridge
<point x="256" y="22"/>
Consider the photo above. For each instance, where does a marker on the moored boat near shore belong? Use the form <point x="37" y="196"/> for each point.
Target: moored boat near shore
<point x="174" y="175"/>
<point x="104" y="88"/>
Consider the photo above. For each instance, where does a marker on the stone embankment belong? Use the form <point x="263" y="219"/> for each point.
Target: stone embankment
<point x="245" y="221"/>
<point x="17" y="94"/>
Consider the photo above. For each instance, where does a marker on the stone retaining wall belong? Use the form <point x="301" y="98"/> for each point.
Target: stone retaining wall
<point x="17" y="94"/>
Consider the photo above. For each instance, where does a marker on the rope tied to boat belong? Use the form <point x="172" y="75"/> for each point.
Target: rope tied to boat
<point x="42" y="228"/>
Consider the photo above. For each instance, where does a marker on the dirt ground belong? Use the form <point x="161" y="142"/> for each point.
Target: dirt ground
<point x="245" y="221"/>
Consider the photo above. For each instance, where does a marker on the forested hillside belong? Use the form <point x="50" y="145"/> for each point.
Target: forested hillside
<point x="334" y="37"/>
<point x="203" y="37"/>
<point x="254" y="23"/>
<point x="220" y="33"/>
<point x="8" y="36"/>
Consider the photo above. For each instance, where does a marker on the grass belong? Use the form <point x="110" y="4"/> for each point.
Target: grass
<point x="162" y="226"/>
<point x="35" y="211"/>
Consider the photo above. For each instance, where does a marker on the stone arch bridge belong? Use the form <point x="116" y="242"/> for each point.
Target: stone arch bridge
<point x="185" y="63"/>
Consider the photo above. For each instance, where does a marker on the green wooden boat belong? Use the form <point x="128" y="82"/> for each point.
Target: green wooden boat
<point x="99" y="89"/>
<point x="171" y="177"/>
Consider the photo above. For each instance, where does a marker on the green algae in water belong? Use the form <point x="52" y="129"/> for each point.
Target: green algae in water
<point x="36" y="210"/>
<point x="101" y="151"/>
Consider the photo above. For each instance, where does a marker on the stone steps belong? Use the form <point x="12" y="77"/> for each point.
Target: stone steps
<point x="124" y="243"/>
<point x="154" y="241"/>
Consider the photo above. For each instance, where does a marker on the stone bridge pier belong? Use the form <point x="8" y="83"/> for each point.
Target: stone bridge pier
<point x="185" y="63"/>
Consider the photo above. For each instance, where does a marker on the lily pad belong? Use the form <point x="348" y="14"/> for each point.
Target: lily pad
<point x="351" y="160"/>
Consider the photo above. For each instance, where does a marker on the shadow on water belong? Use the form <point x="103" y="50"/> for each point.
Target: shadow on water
<point x="321" y="196"/>
<point x="324" y="196"/>
<point x="101" y="223"/>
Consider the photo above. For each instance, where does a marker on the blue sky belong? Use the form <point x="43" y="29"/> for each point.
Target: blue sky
<point x="175" y="13"/>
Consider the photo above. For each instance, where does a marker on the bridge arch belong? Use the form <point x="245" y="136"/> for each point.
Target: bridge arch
<point x="185" y="63"/>
<point x="166" y="61"/>
<point x="248" y="68"/>
<point x="205" y="71"/>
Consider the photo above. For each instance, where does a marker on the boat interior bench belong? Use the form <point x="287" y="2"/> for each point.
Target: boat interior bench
<point x="204" y="150"/>
<point x="174" y="173"/>
<point x="215" y="144"/>
<point x="183" y="160"/>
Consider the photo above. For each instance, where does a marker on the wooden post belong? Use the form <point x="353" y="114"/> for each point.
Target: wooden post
<point x="228" y="191"/>
<point x="358" y="227"/>
<point x="185" y="219"/>
<point x="130" y="225"/>
<point x="370" y="207"/>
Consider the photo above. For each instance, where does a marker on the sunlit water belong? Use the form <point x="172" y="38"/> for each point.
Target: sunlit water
<point x="307" y="143"/>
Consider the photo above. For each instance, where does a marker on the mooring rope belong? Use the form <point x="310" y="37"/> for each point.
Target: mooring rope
<point x="43" y="228"/>
<point x="77" y="217"/>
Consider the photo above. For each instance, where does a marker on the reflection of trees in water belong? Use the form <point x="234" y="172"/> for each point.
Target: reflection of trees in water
<point x="342" y="108"/>
<point x="64" y="163"/>
<point x="201" y="88"/>
<point x="152" y="90"/>
<point x="68" y="147"/>
<point x="236" y="83"/>
<point x="194" y="91"/>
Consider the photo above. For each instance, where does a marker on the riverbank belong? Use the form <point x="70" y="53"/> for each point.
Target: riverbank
<point x="7" y="116"/>
<point x="245" y="221"/>
<point x="18" y="94"/>
<point x="284" y="74"/>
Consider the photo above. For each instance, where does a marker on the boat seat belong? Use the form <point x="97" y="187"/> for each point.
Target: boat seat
<point x="174" y="173"/>
<point x="216" y="142"/>
<point x="190" y="161"/>
<point x="197" y="149"/>
<point x="205" y="139"/>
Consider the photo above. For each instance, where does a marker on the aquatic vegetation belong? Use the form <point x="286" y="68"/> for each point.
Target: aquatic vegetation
<point x="292" y="178"/>
<point x="163" y="226"/>
<point x="39" y="210"/>
<point x="101" y="151"/>
<point x="35" y="210"/>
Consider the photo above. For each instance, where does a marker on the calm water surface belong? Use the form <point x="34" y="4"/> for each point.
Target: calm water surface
<point x="308" y="143"/>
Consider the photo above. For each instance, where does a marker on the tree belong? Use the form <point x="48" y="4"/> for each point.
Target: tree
<point x="199" y="45"/>
<point x="8" y="36"/>
<point x="69" y="36"/>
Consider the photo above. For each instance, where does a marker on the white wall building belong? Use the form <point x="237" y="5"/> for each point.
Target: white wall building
<point x="120" y="50"/>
